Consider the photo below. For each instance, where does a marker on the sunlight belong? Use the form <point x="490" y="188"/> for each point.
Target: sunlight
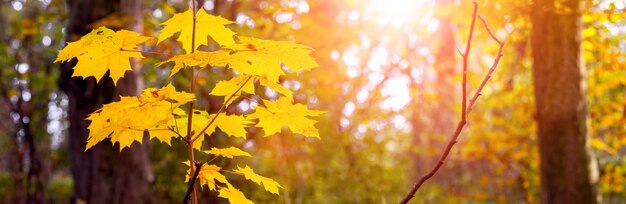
<point x="394" y="12"/>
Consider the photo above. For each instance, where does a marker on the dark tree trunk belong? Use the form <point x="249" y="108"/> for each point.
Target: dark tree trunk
<point x="567" y="173"/>
<point x="102" y="174"/>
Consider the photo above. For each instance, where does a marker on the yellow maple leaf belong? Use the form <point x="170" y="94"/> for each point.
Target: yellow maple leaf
<point x="229" y="152"/>
<point x="199" y="58"/>
<point x="252" y="56"/>
<point x="275" y="86"/>
<point x="232" y="125"/>
<point x="125" y="121"/>
<point x="233" y="195"/>
<point x="264" y="57"/>
<point x="208" y="176"/>
<point x="168" y="94"/>
<point x="283" y="112"/>
<point x="206" y="25"/>
<point x="234" y="86"/>
<point x="103" y="50"/>
<point x="267" y="183"/>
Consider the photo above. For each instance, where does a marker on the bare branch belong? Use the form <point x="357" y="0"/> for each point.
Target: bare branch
<point x="465" y="109"/>
<point x="493" y="66"/>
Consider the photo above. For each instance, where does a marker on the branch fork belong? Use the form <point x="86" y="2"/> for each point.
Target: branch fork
<point x="465" y="108"/>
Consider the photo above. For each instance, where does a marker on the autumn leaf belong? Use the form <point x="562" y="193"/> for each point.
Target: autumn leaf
<point x="232" y="125"/>
<point x="233" y="195"/>
<point x="264" y="57"/>
<point x="234" y="86"/>
<point x="126" y="120"/>
<point x="275" y="86"/>
<point x="198" y="58"/>
<point x="208" y="176"/>
<point x="206" y="25"/>
<point x="252" y="56"/>
<point x="267" y="183"/>
<point x="229" y="152"/>
<point x="283" y="112"/>
<point x="103" y="50"/>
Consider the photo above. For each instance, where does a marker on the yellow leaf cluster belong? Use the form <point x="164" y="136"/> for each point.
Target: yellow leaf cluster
<point x="157" y="112"/>
<point x="103" y="50"/>
<point x="283" y="112"/>
<point x="125" y="121"/>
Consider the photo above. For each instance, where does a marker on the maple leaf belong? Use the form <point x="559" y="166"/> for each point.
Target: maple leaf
<point x="188" y="60"/>
<point x="199" y="58"/>
<point x="229" y="152"/>
<point x="264" y="57"/>
<point x="276" y="87"/>
<point x="234" y="86"/>
<point x="267" y="183"/>
<point x="206" y="25"/>
<point x="283" y="112"/>
<point x="208" y="176"/>
<point x="103" y="50"/>
<point x="126" y="120"/>
<point x="232" y="125"/>
<point x="233" y="195"/>
<point x="252" y="56"/>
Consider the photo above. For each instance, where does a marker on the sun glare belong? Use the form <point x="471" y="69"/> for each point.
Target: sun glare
<point x="394" y="12"/>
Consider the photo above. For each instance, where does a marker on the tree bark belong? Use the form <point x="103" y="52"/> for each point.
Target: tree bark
<point x="102" y="174"/>
<point x="568" y="172"/>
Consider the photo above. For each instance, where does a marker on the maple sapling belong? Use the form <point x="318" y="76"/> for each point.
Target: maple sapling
<point x="159" y="111"/>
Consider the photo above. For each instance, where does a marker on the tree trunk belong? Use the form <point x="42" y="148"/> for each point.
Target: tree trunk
<point x="568" y="173"/>
<point x="102" y="174"/>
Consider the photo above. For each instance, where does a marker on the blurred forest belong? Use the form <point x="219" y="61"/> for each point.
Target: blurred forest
<point x="550" y="124"/>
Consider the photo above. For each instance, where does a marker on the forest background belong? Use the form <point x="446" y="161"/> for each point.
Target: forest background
<point x="389" y="78"/>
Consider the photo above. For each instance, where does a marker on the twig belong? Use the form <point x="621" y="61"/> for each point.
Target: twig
<point x="190" y="115"/>
<point x="493" y="66"/>
<point x="465" y="109"/>
<point x="191" y="188"/>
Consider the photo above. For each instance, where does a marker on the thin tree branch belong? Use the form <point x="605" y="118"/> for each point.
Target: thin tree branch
<point x="465" y="56"/>
<point x="190" y="115"/>
<point x="465" y="109"/>
<point x="192" y="182"/>
<point x="493" y="66"/>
